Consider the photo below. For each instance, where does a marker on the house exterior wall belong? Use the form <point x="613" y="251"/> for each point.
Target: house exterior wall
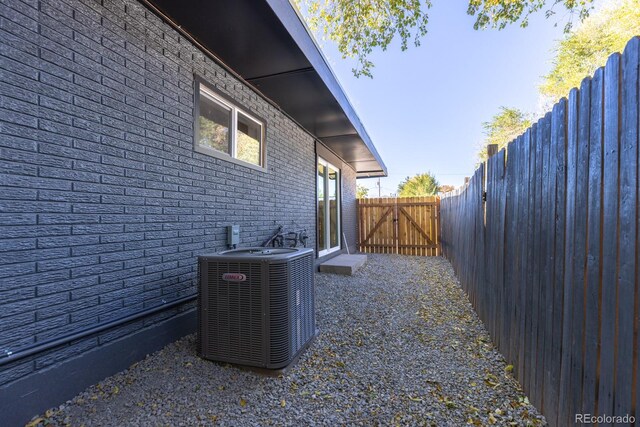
<point x="104" y="204"/>
<point x="349" y="208"/>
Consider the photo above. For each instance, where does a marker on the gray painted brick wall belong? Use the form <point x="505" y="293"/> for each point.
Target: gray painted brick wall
<point x="349" y="209"/>
<point x="104" y="204"/>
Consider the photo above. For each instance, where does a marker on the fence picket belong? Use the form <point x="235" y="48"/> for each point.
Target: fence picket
<point x="508" y="244"/>
<point x="579" y="131"/>
<point x="628" y="223"/>
<point x="488" y="253"/>
<point x="545" y="315"/>
<point x="566" y="408"/>
<point x="610" y="235"/>
<point x="520" y="241"/>
<point x="510" y="250"/>
<point x="531" y="254"/>
<point x="500" y="202"/>
<point x="535" y="287"/>
<point x="525" y="273"/>
<point x="594" y="261"/>
<point x="552" y="352"/>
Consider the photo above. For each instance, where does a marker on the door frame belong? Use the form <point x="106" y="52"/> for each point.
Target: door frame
<point x="327" y="231"/>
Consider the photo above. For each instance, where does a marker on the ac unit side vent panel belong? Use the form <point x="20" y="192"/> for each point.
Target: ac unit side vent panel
<point x="279" y="312"/>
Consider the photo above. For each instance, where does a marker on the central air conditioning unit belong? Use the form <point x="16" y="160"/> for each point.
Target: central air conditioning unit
<point x="256" y="306"/>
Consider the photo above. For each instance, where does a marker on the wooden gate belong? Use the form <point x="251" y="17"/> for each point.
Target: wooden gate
<point x="406" y="226"/>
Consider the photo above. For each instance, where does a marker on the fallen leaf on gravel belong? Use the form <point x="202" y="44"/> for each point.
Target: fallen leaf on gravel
<point x="243" y="403"/>
<point x="449" y="403"/>
<point x="509" y="368"/>
<point x="283" y="403"/>
<point x="491" y="380"/>
<point x="35" y="422"/>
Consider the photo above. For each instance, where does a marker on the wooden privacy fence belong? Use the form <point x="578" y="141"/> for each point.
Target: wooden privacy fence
<point x="407" y="225"/>
<point x="550" y="260"/>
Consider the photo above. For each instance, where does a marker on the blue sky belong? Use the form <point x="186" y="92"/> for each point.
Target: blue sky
<point x="424" y="107"/>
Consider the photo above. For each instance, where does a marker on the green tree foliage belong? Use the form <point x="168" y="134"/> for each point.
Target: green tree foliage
<point x="420" y="185"/>
<point x="503" y="128"/>
<point x="577" y="56"/>
<point x="587" y="47"/>
<point x="361" y="191"/>
<point x="359" y="27"/>
<point x="500" y="13"/>
<point x="248" y="148"/>
<point x="213" y="135"/>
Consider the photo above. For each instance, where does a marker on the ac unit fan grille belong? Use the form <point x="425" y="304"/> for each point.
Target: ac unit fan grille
<point x="235" y="313"/>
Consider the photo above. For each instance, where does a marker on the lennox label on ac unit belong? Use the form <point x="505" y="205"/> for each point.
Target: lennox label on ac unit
<point x="234" y="277"/>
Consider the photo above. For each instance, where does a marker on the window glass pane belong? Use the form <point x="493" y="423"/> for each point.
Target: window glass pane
<point x="321" y="228"/>
<point x="249" y="139"/>
<point x="214" y="123"/>
<point x="334" y="236"/>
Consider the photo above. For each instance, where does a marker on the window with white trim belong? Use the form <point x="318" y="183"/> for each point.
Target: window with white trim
<point x="226" y="131"/>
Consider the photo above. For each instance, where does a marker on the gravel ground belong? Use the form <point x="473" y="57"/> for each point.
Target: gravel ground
<point x="399" y="345"/>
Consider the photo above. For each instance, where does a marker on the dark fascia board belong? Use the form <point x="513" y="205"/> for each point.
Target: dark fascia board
<point x="292" y="21"/>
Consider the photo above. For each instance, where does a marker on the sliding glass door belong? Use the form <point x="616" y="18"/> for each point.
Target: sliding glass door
<point x="328" y="207"/>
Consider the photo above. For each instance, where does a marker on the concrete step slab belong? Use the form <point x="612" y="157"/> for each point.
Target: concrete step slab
<point x="343" y="264"/>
